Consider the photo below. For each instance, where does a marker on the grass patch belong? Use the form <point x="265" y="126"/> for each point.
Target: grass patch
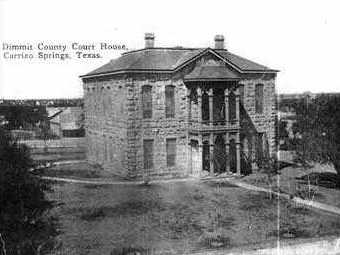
<point x="124" y="209"/>
<point x="256" y="202"/>
<point x="220" y="184"/>
<point x="130" y="251"/>
<point x="215" y="239"/>
<point x="96" y="186"/>
<point x="178" y="218"/>
<point x="80" y="170"/>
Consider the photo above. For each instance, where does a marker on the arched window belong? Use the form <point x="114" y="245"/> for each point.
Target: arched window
<point x="259" y="98"/>
<point x="147" y="101"/>
<point x="169" y="101"/>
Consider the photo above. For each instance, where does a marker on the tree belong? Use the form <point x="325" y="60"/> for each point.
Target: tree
<point x="24" y="226"/>
<point x="22" y="116"/>
<point x="283" y="134"/>
<point x="317" y="131"/>
<point x="269" y="166"/>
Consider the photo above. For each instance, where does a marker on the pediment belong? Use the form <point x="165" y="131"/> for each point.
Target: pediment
<point x="210" y="67"/>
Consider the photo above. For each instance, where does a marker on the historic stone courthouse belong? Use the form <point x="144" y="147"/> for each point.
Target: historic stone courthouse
<point x="179" y="112"/>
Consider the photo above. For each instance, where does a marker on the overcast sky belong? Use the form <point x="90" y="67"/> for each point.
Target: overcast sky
<point x="300" y="38"/>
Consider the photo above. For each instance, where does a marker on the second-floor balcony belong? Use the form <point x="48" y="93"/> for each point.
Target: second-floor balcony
<point x="211" y="126"/>
<point x="213" y="107"/>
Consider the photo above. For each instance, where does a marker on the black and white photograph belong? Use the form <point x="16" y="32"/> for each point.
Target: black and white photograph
<point x="169" y="127"/>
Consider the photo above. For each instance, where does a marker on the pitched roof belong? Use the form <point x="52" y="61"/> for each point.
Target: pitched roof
<point x="169" y="59"/>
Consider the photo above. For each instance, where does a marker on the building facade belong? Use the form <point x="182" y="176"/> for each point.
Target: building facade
<point x="179" y="112"/>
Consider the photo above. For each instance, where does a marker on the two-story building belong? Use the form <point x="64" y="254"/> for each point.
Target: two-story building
<point x="179" y="112"/>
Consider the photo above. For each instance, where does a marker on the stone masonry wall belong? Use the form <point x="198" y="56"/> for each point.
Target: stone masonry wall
<point x="105" y="122"/>
<point x="264" y="122"/>
<point x="159" y="128"/>
<point x="115" y="128"/>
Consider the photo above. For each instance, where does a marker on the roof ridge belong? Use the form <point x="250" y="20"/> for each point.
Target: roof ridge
<point x="161" y="48"/>
<point x="172" y="59"/>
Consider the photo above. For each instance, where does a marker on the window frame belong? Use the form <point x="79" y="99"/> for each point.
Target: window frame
<point x="170" y="106"/>
<point x="147" y="103"/>
<point x="259" y="98"/>
<point x="148" y="157"/>
<point x="171" y="157"/>
<point x="241" y="90"/>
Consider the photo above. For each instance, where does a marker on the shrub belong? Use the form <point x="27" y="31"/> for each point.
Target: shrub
<point x="24" y="226"/>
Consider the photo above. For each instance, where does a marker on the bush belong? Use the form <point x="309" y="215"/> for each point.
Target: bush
<point x="24" y="226"/>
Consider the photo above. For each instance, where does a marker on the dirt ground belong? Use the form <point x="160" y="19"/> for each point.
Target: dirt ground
<point x="175" y="218"/>
<point x="317" y="183"/>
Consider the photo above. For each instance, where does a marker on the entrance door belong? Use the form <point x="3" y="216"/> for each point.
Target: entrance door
<point x="220" y="156"/>
<point x="195" y="158"/>
<point x="232" y="152"/>
<point x="206" y="156"/>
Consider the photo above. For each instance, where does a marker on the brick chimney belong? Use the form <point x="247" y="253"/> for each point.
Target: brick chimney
<point x="149" y="40"/>
<point x="219" y="42"/>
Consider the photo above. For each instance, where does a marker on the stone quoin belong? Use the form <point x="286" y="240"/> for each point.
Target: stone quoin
<point x="171" y="112"/>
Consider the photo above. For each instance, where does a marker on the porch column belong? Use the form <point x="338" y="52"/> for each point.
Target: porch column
<point x="200" y="152"/>
<point x="253" y="152"/>
<point x="237" y="107"/>
<point x="189" y="157"/>
<point x="238" y="154"/>
<point x="226" y="106"/>
<point x="199" y="100"/>
<point x="211" y="150"/>
<point x="227" y="144"/>
<point x="189" y="105"/>
<point x="211" y="105"/>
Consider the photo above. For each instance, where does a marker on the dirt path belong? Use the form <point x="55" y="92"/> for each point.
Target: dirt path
<point x="321" y="247"/>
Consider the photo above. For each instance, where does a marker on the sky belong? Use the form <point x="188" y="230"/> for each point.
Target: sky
<point x="300" y="38"/>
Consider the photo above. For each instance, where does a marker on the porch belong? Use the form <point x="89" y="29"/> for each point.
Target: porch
<point x="213" y="122"/>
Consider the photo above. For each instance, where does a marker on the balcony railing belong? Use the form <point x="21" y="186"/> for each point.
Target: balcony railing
<point x="217" y="125"/>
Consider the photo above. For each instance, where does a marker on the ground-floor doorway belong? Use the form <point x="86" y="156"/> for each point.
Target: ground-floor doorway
<point x="220" y="155"/>
<point x="195" y="158"/>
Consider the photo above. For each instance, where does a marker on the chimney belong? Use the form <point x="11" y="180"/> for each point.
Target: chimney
<point x="219" y="42"/>
<point x="149" y="40"/>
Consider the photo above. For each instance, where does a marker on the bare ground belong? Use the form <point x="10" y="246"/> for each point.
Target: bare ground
<point x="175" y="218"/>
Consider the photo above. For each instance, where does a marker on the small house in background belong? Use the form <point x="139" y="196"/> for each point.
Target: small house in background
<point x="66" y="121"/>
<point x="30" y="119"/>
<point x="178" y="111"/>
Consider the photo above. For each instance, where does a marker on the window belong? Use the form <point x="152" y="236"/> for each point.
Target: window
<point x="147" y="101"/>
<point x="171" y="152"/>
<point x="241" y="91"/>
<point x="259" y="149"/>
<point x="205" y="106"/>
<point x="232" y="106"/>
<point x="148" y="154"/>
<point x="259" y="98"/>
<point x="169" y="101"/>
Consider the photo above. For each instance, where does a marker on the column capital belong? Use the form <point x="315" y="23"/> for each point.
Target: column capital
<point x="199" y="91"/>
<point x="210" y="92"/>
<point x="226" y="92"/>
<point x="237" y="92"/>
<point x="188" y="92"/>
<point x="237" y="138"/>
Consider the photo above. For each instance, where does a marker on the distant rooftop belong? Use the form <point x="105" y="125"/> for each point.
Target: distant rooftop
<point x="56" y="102"/>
